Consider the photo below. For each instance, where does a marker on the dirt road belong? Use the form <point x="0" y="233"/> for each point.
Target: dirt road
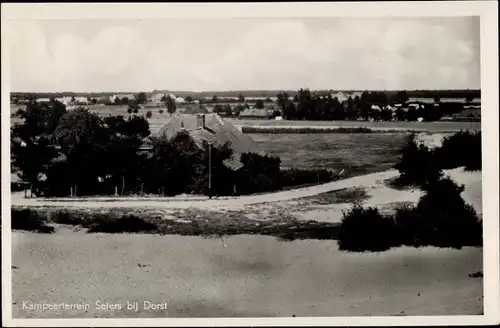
<point x="204" y="202"/>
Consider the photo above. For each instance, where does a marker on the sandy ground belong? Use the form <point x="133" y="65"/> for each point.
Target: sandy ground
<point x="386" y="199"/>
<point x="250" y="276"/>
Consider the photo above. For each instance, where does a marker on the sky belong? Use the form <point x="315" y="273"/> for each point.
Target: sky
<point x="245" y="54"/>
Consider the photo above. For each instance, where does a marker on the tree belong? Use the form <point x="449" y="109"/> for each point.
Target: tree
<point x="218" y="109"/>
<point x="417" y="165"/>
<point x="437" y="99"/>
<point x="282" y="100"/>
<point x="160" y="111"/>
<point x="149" y="114"/>
<point x="170" y="103"/>
<point x="189" y="99"/>
<point x="241" y="98"/>
<point x="469" y="98"/>
<point x="124" y="101"/>
<point x="402" y="97"/>
<point x="83" y="138"/>
<point x="259" y="104"/>
<point x="32" y="141"/>
<point x="173" y="168"/>
<point x="214" y="99"/>
<point x="141" y="98"/>
<point x="130" y="110"/>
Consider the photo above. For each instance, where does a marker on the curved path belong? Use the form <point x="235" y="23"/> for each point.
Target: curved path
<point x="204" y="202"/>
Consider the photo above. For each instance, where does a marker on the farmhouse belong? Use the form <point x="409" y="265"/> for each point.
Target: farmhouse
<point x="156" y="98"/>
<point x="340" y="96"/>
<point x="213" y="129"/>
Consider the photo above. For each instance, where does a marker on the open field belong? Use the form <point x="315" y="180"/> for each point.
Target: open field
<point x="242" y="276"/>
<point x="355" y="153"/>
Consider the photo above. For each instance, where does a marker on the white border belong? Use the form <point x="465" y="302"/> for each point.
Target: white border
<point x="487" y="10"/>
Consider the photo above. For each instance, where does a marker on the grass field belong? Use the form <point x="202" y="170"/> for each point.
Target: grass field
<point x="241" y="276"/>
<point x="356" y="153"/>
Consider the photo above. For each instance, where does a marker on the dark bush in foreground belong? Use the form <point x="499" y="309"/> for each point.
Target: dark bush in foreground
<point x="417" y="165"/>
<point x="366" y="230"/>
<point x="445" y="219"/>
<point x="460" y="149"/>
<point x="129" y="223"/>
<point x="441" y="219"/>
<point x="26" y="219"/>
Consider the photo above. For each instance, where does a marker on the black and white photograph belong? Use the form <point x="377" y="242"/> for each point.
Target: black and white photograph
<point x="249" y="166"/>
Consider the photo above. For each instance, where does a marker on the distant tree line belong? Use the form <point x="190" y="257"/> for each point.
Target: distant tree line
<point x="307" y="105"/>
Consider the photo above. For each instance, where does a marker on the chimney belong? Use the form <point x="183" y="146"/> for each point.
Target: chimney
<point x="200" y="121"/>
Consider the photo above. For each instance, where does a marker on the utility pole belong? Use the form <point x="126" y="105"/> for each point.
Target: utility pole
<point x="210" y="169"/>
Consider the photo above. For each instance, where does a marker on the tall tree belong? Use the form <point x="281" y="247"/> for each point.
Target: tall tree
<point x="170" y="103"/>
<point x="141" y="98"/>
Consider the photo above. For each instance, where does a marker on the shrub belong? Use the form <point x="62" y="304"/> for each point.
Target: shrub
<point x="149" y="114"/>
<point x="417" y="165"/>
<point x="160" y="111"/>
<point x="26" y="219"/>
<point x="441" y="218"/>
<point x="130" y="110"/>
<point x="448" y="221"/>
<point x="461" y="149"/>
<point x="295" y="177"/>
<point x="136" y="110"/>
<point x="366" y="230"/>
<point x="129" y="223"/>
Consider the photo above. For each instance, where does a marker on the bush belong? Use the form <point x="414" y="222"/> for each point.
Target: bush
<point x="136" y="110"/>
<point x="417" y="165"/>
<point x="160" y="111"/>
<point x="295" y="177"/>
<point x="130" y="110"/>
<point x="129" y="223"/>
<point x="366" y="230"/>
<point x="441" y="218"/>
<point x="461" y="149"/>
<point x="26" y="219"/>
<point x="149" y="114"/>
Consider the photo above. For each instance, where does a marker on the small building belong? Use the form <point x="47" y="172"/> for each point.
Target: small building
<point x="254" y="113"/>
<point x="157" y="98"/>
<point x="43" y="100"/>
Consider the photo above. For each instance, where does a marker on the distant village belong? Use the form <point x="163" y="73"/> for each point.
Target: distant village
<point x="262" y="107"/>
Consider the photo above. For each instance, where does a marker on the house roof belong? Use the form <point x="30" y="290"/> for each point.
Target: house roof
<point x="340" y="96"/>
<point x="217" y="131"/>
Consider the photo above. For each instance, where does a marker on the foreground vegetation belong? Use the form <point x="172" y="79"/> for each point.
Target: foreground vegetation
<point x="188" y="223"/>
<point x="419" y="165"/>
<point x="441" y="218"/>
